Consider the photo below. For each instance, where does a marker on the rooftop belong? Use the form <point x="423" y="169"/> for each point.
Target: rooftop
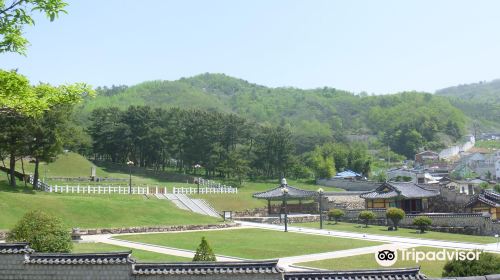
<point x="399" y="189"/>
<point x="81" y="258"/>
<point x="368" y="274"/>
<point x="293" y="193"/>
<point x="244" y="267"/>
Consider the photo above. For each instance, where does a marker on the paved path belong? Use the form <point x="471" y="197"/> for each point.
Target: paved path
<point x="287" y="262"/>
<point x="108" y="239"/>
<point x="380" y="238"/>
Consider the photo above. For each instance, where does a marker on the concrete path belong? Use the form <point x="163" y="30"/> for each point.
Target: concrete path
<point x="108" y="239"/>
<point x="379" y="238"/>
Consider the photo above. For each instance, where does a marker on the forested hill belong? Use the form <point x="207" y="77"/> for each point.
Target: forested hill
<point x="480" y="101"/>
<point x="314" y="116"/>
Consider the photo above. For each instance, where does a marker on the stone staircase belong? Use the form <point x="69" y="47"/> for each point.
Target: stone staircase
<point x="199" y="206"/>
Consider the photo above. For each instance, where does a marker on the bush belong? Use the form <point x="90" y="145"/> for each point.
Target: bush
<point x="335" y="214"/>
<point x="45" y="233"/>
<point x="487" y="264"/>
<point x="366" y="216"/>
<point x="204" y="253"/>
<point x="395" y="215"/>
<point x="422" y="223"/>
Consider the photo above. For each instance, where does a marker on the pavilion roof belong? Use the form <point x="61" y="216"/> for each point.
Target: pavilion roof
<point x="293" y="193"/>
<point x="399" y="189"/>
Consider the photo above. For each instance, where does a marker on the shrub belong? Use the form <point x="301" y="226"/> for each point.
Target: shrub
<point x="486" y="265"/>
<point x="335" y="214"/>
<point x="395" y="215"/>
<point x="422" y="223"/>
<point x="366" y="216"/>
<point x="45" y="233"/>
<point x="204" y="253"/>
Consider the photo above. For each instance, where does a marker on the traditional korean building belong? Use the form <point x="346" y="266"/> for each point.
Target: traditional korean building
<point x="487" y="201"/>
<point x="285" y="192"/>
<point x="410" y="197"/>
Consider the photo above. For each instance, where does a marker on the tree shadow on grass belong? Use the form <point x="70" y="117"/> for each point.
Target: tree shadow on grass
<point x="4" y="187"/>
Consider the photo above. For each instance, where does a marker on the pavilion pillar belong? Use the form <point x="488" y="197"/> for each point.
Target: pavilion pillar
<point x="268" y="207"/>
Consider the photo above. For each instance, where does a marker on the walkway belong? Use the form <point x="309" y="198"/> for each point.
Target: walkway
<point x="380" y="238"/>
<point x="287" y="263"/>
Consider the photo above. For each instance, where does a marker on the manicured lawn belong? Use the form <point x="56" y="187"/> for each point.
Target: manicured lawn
<point x="429" y="268"/>
<point x="92" y="211"/>
<point x="252" y="243"/>
<point x="244" y="200"/>
<point x="403" y="232"/>
<point x="140" y="255"/>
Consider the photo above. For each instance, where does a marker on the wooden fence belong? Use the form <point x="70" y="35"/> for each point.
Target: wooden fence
<point x="106" y="189"/>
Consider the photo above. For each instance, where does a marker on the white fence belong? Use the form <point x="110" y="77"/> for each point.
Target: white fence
<point x="204" y="190"/>
<point x="210" y="184"/>
<point x="105" y="189"/>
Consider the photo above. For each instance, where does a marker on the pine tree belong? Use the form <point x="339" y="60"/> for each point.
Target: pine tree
<point x="204" y="253"/>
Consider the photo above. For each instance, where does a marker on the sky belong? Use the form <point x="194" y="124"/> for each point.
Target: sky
<point x="373" y="46"/>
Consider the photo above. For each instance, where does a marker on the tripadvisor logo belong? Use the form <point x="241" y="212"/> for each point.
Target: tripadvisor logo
<point x="388" y="255"/>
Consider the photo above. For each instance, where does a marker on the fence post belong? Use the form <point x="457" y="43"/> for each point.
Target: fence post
<point x="156" y="189"/>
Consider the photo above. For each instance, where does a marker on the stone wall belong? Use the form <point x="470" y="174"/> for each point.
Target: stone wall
<point x="348" y="185"/>
<point x="3" y="234"/>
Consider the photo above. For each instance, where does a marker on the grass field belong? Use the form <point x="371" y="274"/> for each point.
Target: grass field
<point x="429" y="268"/>
<point x="489" y="144"/>
<point x="140" y="255"/>
<point x="91" y="211"/>
<point x="403" y="232"/>
<point x="252" y="243"/>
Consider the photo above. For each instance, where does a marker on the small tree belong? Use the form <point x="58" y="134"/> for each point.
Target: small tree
<point x="366" y="216"/>
<point x="335" y="214"/>
<point x="395" y="215"/>
<point x="44" y="232"/>
<point x="204" y="253"/>
<point x="487" y="264"/>
<point x="497" y="188"/>
<point x="422" y="223"/>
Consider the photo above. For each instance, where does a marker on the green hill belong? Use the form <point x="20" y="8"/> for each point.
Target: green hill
<point x="479" y="101"/>
<point x="314" y="115"/>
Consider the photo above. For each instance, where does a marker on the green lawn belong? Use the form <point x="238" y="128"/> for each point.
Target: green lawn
<point x="252" y="243"/>
<point x="91" y="211"/>
<point x="140" y="255"/>
<point x="429" y="268"/>
<point x="404" y="232"/>
<point x="244" y="200"/>
<point x="489" y="144"/>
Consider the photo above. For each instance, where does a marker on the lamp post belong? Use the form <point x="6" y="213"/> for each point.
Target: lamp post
<point x="130" y="163"/>
<point x="284" y="191"/>
<point x="196" y="167"/>
<point x="320" y="193"/>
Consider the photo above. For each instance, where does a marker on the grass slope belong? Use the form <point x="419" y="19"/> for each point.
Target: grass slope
<point x="403" y="232"/>
<point x="140" y="255"/>
<point x="91" y="211"/>
<point x="252" y="243"/>
<point x="367" y="261"/>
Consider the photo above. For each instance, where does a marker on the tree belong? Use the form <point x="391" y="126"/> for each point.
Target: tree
<point x="487" y="264"/>
<point x="336" y="214"/>
<point x="17" y="14"/>
<point x="422" y="223"/>
<point x="484" y="185"/>
<point x="44" y="232"/>
<point x="204" y="253"/>
<point x="497" y="188"/>
<point x="366" y="216"/>
<point x="395" y="215"/>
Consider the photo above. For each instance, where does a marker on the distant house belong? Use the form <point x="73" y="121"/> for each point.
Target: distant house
<point x="469" y="187"/>
<point x="410" y="197"/>
<point x="426" y="156"/>
<point x="348" y="174"/>
<point x="488" y="202"/>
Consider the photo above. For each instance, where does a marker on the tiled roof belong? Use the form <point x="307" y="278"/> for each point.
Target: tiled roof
<point x="487" y="197"/>
<point x="85" y="258"/>
<point x="246" y="267"/>
<point x="277" y="193"/>
<point x="15" y="248"/>
<point x="368" y="274"/>
<point x="397" y="189"/>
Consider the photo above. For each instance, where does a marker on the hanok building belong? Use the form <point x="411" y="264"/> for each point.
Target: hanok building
<point x="283" y="193"/>
<point x="426" y="157"/>
<point x="410" y="197"/>
<point x="487" y="201"/>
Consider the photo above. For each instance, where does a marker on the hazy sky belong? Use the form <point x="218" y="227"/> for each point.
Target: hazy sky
<point x="374" y="46"/>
